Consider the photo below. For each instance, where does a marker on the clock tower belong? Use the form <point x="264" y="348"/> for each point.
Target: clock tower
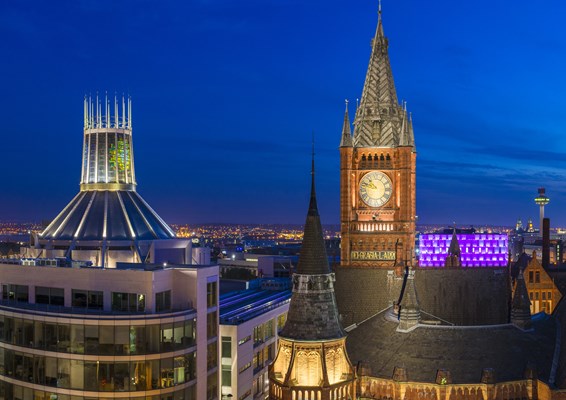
<point x="377" y="172"/>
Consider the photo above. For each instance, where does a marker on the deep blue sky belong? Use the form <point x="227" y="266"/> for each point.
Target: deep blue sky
<point x="226" y="94"/>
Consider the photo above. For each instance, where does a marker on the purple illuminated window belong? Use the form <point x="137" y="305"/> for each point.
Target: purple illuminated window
<point x="477" y="250"/>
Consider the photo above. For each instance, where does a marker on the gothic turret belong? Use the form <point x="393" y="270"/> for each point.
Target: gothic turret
<point x="521" y="305"/>
<point x="312" y="355"/>
<point x="377" y="189"/>
<point x="346" y="133"/>
<point x="454" y="253"/>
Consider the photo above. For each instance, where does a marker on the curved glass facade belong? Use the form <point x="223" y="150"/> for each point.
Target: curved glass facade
<point x="133" y="338"/>
<point x="152" y="355"/>
<point x="95" y="375"/>
<point x="10" y="391"/>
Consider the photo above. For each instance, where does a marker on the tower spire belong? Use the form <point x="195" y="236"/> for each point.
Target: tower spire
<point x="313" y="327"/>
<point x="313" y="208"/>
<point x="346" y="133"/>
<point x="379" y="118"/>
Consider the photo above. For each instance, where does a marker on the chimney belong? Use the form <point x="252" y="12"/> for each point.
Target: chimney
<point x="545" y="243"/>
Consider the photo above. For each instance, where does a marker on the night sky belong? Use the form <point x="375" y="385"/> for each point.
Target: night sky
<point x="226" y="94"/>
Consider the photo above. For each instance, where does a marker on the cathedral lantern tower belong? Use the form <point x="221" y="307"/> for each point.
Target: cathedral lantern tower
<point x="107" y="221"/>
<point x="311" y="361"/>
<point x="377" y="172"/>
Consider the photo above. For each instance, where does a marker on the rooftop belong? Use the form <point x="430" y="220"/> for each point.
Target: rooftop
<point x="464" y="351"/>
<point x="241" y="306"/>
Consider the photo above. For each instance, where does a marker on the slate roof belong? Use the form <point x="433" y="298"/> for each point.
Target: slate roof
<point x="464" y="351"/>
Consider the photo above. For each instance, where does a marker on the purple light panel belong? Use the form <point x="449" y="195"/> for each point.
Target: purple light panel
<point x="477" y="250"/>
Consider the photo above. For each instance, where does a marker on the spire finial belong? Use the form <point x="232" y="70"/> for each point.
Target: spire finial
<point x="379" y="9"/>
<point x="312" y="166"/>
<point x="313" y="208"/>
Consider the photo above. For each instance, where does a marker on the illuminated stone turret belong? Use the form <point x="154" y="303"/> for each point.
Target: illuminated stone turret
<point x="311" y="361"/>
<point x="107" y="221"/>
<point x="542" y="200"/>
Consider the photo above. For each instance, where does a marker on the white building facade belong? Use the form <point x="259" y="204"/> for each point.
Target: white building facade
<point x="249" y="324"/>
<point x="134" y="332"/>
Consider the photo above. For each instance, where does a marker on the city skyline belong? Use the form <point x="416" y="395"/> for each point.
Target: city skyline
<point x="225" y="98"/>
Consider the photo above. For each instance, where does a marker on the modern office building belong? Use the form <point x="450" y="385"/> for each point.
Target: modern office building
<point x="132" y="332"/>
<point x="107" y="221"/>
<point x="250" y="321"/>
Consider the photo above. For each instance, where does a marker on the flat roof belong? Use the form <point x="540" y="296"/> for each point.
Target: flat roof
<point x="241" y="306"/>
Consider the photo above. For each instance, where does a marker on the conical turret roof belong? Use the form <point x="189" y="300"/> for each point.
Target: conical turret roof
<point x="313" y="312"/>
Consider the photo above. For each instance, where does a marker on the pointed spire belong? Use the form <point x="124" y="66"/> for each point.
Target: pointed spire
<point x="313" y="207"/>
<point x="409" y="307"/>
<point x="454" y="253"/>
<point x="380" y="120"/>
<point x="313" y="259"/>
<point x="454" y="249"/>
<point x="313" y="312"/>
<point x="404" y="132"/>
<point x="346" y="133"/>
<point x="521" y="305"/>
<point x="411" y="133"/>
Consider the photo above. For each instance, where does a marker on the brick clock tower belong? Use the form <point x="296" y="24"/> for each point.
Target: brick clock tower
<point x="377" y="173"/>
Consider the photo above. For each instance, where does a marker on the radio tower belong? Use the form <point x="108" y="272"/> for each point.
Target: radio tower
<point x="542" y="201"/>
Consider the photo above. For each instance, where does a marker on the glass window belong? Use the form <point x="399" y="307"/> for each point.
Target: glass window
<point x="167" y="373"/>
<point x="166" y="337"/>
<point x="178" y="334"/>
<point x="77" y="372"/>
<point x="163" y="301"/>
<point x="63" y="338"/>
<point x="211" y="325"/>
<point x="190" y="333"/>
<point x="47" y="295"/>
<point x="106" y="340"/>
<point x="128" y="302"/>
<point x="91" y="339"/>
<point x="211" y="294"/>
<point x="212" y="386"/>
<point x="79" y="298"/>
<point x="138" y="340"/>
<point x="212" y="355"/>
<point x="87" y="299"/>
<point x="122" y="340"/>
<point x="77" y="339"/>
<point x="154" y="338"/>
<point x="226" y="347"/>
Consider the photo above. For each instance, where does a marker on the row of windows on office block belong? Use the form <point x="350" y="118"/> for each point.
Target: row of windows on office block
<point x="105" y="340"/>
<point x="89" y="299"/>
<point x="263" y="332"/>
<point x="98" y="376"/>
<point x="260" y="359"/>
<point x="9" y="391"/>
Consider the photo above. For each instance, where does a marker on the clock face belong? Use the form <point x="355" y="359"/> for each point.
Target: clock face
<point x="375" y="189"/>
